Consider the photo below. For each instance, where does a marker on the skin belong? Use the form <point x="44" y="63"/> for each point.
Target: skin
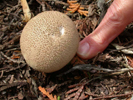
<point x="118" y="16"/>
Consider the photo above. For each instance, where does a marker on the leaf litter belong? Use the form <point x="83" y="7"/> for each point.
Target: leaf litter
<point x="109" y="75"/>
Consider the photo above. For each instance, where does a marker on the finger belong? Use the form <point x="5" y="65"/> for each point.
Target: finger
<point x="118" y="16"/>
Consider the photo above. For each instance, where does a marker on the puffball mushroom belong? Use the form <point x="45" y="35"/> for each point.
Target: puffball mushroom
<point x="49" y="41"/>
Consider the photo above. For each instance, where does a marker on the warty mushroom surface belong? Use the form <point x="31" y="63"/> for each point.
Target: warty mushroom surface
<point x="49" y="41"/>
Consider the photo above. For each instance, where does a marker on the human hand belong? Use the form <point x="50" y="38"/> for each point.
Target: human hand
<point x="118" y="16"/>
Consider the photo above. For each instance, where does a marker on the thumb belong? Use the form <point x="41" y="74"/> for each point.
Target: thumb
<point x="118" y="16"/>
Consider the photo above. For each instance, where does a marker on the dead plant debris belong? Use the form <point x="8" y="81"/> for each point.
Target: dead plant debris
<point x="74" y="6"/>
<point x="108" y="76"/>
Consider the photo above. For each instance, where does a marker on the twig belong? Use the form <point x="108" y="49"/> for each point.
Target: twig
<point x="91" y="94"/>
<point x="94" y="79"/>
<point x="6" y="86"/>
<point x="112" y="96"/>
<point x="120" y="49"/>
<point x="26" y="10"/>
<point x="2" y="72"/>
<point x="126" y="64"/>
<point x="78" y="93"/>
<point x="75" y="95"/>
<point x="59" y="2"/>
<point x="89" y="67"/>
<point x="72" y="90"/>
<point x="15" y="61"/>
<point x="16" y="38"/>
<point x="13" y="7"/>
<point x="42" y="4"/>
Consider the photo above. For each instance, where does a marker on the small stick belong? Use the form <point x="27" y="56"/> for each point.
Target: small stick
<point x="112" y="96"/>
<point x="26" y="11"/>
<point x="11" y="60"/>
<point x="89" y="67"/>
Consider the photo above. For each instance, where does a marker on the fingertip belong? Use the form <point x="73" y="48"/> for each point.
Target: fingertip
<point x="90" y="47"/>
<point x="83" y="50"/>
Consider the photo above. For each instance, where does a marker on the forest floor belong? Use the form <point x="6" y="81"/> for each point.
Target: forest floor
<point x="108" y="76"/>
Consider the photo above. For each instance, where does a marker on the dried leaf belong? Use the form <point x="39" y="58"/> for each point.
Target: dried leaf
<point x="74" y="6"/>
<point x="47" y="93"/>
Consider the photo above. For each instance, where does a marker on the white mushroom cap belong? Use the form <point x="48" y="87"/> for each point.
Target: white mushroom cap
<point x="49" y="41"/>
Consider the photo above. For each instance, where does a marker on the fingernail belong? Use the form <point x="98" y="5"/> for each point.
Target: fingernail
<point x="83" y="49"/>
